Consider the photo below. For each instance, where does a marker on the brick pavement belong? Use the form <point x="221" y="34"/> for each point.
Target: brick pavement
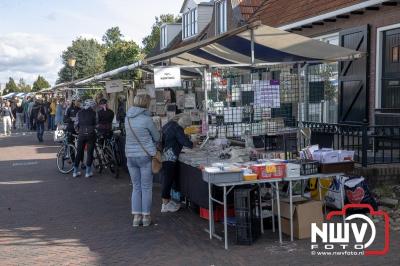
<point x="47" y="218"/>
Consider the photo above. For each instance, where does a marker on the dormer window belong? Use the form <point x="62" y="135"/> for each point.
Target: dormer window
<point x="163" y="37"/>
<point x="221" y="24"/>
<point x="189" y="23"/>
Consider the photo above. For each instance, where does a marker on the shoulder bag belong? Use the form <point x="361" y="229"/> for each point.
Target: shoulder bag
<point x="156" y="161"/>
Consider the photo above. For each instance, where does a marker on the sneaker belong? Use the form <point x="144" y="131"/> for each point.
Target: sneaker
<point x="76" y="173"/>
<point x="137" y="220"/>
<point x="89" y="172"/>
<point x="169" y="207"/>
<point x="146" y="220"/>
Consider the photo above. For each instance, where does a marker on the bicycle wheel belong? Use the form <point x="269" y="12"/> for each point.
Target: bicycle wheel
<point x="97" y="162"/>
<point x="65" y="158"/>
<point x="111" y="161"/>
<point x="117" y="154"/>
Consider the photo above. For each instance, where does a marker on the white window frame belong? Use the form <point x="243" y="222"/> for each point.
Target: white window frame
<point x="221" y="16"/>
<point x="189" y="23"/>
<point x="378" y="62"/>
<point x="163" y="37"/>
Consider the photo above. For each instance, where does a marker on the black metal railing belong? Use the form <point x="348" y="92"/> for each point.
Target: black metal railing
<point x="372" y="144"/>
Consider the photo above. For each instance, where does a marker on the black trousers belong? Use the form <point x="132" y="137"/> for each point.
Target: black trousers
<point x="170" y="172"/>
<point x="83" y="140"/>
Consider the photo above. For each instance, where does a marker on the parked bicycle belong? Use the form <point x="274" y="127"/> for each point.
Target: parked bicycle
<point x="66" y="154"/>
<point x="107" y="155"/>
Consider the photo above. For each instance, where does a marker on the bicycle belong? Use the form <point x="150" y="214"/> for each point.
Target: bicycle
<point x="66" y="154"/>
<point x="104" y="156"/>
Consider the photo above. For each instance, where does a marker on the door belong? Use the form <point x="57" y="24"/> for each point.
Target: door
<point x="391" y="70"/>
<point x="354" y="77"/>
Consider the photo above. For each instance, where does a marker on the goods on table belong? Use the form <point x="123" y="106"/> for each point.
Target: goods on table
<point x="222" y="173"/>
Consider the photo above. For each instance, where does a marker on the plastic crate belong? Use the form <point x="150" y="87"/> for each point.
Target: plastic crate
<point x="247" y="234"/>
<point x="308" y="167"/>
<point x="246" y="198"/>
<point x="222" y="177"/>
<point x="218" y="213"/>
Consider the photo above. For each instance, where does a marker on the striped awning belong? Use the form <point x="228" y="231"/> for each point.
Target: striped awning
<point x="271" y="45"/>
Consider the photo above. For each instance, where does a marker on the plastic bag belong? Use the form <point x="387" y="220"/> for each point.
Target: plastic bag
<point x="357" y="191"/>
<point x="333" y="196"/>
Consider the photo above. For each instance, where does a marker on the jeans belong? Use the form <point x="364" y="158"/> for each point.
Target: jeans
<point x="52" y="122"/>
<point x="169" y="176"/>
<point x="7" y="125"/>
<point x="40" y="130"/>
<point x="20" y="121"/>
<point x="83" y="140"/>
<point x="142" y="183"/>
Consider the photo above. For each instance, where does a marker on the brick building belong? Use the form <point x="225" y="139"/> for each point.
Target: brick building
<point x="369" y="88"/>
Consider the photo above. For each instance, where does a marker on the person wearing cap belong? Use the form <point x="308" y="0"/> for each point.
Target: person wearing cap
<point x="105" y="118"/>
<point x="85" y="123"/>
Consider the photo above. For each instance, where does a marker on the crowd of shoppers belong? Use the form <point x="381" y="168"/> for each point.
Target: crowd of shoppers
<point x="141" y="144"/>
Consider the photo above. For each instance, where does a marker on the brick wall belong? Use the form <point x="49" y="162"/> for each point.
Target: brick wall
<point x="384" y="17"/>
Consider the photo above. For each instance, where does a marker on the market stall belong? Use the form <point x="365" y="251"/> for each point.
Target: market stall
<point x="254" y="91"/>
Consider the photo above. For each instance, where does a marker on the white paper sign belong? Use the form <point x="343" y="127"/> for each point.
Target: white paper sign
<point x="114" y="86"/>
<point x="167" y="77"/>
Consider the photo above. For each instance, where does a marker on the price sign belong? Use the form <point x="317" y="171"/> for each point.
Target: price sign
<point x="270" y="169"/>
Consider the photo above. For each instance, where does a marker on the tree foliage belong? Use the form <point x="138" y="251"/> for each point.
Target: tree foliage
<point x="40" y="83"/>
<point x="11" y="86"/>
<point x="89" y="55"/>
<point x="121" y="54"/>
<point x="151" y="41"/>
<point x="112" y="37"/>
<point x="23" y="87"/>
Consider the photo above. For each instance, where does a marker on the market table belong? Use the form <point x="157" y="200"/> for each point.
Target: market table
<point x="307" y="177"/>
<point x="274" y="184"/>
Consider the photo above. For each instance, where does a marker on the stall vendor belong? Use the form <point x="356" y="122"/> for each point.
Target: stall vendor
<point x="173" y="140"/>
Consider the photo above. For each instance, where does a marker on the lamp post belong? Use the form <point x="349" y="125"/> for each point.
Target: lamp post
<point x="71" y="64"/>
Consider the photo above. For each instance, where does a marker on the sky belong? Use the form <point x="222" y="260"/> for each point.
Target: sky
<point x="33" y="33"/>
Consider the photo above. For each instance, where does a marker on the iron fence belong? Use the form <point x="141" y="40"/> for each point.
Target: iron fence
<point x="372" y="144"/>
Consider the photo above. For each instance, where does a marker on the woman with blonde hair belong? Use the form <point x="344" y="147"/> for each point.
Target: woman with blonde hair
<point x="141" y="139"/>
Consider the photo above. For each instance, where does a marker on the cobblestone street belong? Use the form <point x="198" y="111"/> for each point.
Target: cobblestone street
<point x="47" y="218"/>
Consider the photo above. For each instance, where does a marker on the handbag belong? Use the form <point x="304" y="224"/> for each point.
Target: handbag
<point x="156" y="161"/>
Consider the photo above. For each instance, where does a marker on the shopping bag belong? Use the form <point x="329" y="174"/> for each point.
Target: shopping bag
<point x="333" y="196"/>
<point x="58" y="135"/>
<point x="357" y="192"/>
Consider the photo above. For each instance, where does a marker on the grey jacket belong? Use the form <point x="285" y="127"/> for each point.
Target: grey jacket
<point x="146" y="131"/>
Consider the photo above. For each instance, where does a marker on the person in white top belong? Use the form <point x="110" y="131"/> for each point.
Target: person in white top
<point x="7" y="115"/>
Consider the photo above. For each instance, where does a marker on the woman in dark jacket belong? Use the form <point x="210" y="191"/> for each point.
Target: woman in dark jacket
<point x="173" y="140"/>
<point x="39" y="117"/>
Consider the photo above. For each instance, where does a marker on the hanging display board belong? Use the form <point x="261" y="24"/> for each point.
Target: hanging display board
<point x="113" y="86"/>
<point x="167" y="77"/>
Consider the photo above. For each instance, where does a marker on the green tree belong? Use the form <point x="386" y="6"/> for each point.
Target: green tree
<point x="11" y="86"/>
<point x="40" y="83"/>
<point x="89" y="55"/>
<point x="22" y="86"/>
<point x="121" y="54"/>
<point x="151" y="41"/>
<point x="112" y="36"/>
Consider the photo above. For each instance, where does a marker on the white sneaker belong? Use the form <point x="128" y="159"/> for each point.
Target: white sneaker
<point x="169" y="207"/>
<point x="76" y="174"/>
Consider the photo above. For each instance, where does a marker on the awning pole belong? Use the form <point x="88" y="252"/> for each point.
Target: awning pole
<point x="252" y="46"/>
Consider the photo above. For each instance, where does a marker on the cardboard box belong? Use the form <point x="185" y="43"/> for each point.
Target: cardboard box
<point x="304" y="213"/>
<point x="326" y="156"/>
<point x="346" y="156"/>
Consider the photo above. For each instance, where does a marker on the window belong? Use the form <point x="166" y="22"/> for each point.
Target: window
<point x="189" y="23"/>
<point x="221" y="16"/>
<point x="163" y="37"/>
